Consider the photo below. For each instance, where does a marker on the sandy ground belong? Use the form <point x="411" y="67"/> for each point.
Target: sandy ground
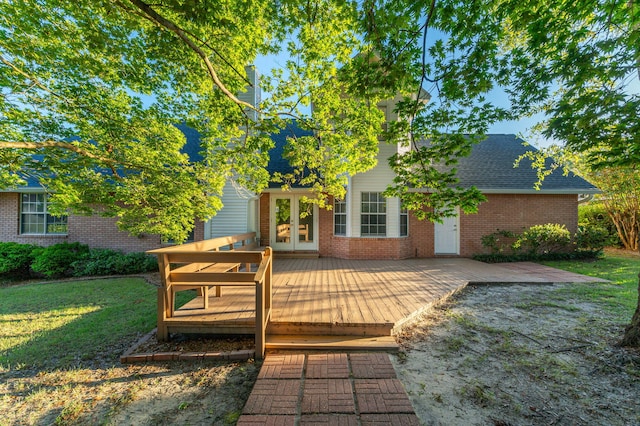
<point x="507" y="355"/>
<point x="519" y="355"/>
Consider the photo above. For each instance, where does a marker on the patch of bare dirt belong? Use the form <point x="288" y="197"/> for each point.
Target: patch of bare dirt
<point x="196" y="393"/>
<point x="519" y="355"/>
<point x="196" y="343"/>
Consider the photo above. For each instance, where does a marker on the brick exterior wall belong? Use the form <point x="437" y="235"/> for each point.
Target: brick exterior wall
<point x="102" y="232"/>
<point x="265" y="205"/>
<point x="95" y="231"/>
<point x="504" y="211"/>
<point x="511" y="212"/>
<point x="10" y="224"/>
<point x="422" y="234"/>
<point x="359" y="248"/>
<point x="515" y="212"/>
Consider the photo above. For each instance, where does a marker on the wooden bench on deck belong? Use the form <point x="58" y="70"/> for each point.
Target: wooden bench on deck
<point x="218" y="262"/>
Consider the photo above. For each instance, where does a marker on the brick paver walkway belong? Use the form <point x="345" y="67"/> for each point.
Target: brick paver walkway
<point x="328" y="389"/>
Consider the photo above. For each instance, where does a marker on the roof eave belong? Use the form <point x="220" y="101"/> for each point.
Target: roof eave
<point x="532" y="191"/>
<point x="559" y="191"/>
<point x="24" y="189"/>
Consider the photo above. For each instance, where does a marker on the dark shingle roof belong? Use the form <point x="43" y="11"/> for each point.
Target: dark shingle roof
<point x="490" y="168"/>
<point x="192" y="146"/>
<point x="276" y="161"/>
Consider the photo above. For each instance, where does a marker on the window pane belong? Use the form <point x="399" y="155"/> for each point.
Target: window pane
<point x="339" y="217"/>
<point x="404" y="222"/>
<point x="32" y="224"/>
<point x="373" y="217"/>
<point x="305" y="221"/>
<point x="56" y="225"/>
<point x="34" y="218"/>
<point x="283" y="220"/>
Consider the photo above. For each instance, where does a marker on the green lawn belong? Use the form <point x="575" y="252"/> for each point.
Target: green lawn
<point x="71" y="323"/>
<point x="619" y="297"/>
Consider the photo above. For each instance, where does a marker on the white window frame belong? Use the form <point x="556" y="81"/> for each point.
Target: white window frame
<point x="404" y="220"/>
<point x="340" y="211"/>
<point x="370" y="209"/>
<point x="34" y="214"/>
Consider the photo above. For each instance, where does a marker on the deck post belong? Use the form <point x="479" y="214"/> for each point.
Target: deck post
<point x="162" y="332"/>
<point x="268" y="284"/>
<point x="164" y="299"/>
<point x="260" y="320"/>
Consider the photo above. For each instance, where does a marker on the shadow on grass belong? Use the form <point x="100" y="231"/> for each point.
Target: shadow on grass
<point x="70" y="324"/>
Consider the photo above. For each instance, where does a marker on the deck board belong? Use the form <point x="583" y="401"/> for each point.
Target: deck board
<point x="334" y="293"/>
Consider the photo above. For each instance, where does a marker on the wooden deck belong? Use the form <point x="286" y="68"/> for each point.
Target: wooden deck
<point x="336" y="297"/>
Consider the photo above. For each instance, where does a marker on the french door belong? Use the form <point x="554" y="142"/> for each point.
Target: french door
<point x="294" y="223"/>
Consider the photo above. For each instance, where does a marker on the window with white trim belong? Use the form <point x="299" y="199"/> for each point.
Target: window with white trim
<point x="373" y="215"/>
<point x="339" y="217"/>
<point x="404" y="222"/>
<point x="35" y="218"/>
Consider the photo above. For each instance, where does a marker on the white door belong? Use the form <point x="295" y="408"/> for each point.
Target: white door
<point x="294" y="223"/>
<point x="447" y="237"/>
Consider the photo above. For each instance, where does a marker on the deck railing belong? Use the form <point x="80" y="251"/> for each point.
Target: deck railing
<point x="218" y="262"/>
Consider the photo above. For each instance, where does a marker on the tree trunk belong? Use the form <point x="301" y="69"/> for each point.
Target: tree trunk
<point x="631" y="336"/>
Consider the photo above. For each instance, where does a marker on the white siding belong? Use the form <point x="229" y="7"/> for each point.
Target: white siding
<point x="237" y="216"/>
<point x="375" y="180"/>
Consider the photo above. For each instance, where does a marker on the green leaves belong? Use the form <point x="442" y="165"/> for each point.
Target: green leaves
<point x="94" y="89"/>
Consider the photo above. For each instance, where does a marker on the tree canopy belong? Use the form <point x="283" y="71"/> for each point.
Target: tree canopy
<point x="91" y="91"/>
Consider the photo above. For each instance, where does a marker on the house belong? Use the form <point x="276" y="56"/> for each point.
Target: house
<point x="364" y="225"/>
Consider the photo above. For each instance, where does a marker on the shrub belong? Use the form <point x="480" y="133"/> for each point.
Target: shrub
<point x="542" y="239"/>
<point x="543" y="242"/>
<point x="502" y="258"/>
<point x="499" y="242"/>
<point x="138" y="262"/>
<point x="56" y="260"/>
<point x="591" y="238"/>
<point x="112" y="262"/>
<point x="594" y="214"/>
<point x="16" y="258"/>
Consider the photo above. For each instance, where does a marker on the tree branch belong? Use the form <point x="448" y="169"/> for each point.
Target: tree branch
<point x="34" y="80"/>
<point x="55" y="144"/>
<point x="171" y="26"/>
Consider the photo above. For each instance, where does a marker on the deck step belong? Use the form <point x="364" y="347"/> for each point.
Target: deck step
<point x="329" y="329"/>
<point x="331" y="343"/>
